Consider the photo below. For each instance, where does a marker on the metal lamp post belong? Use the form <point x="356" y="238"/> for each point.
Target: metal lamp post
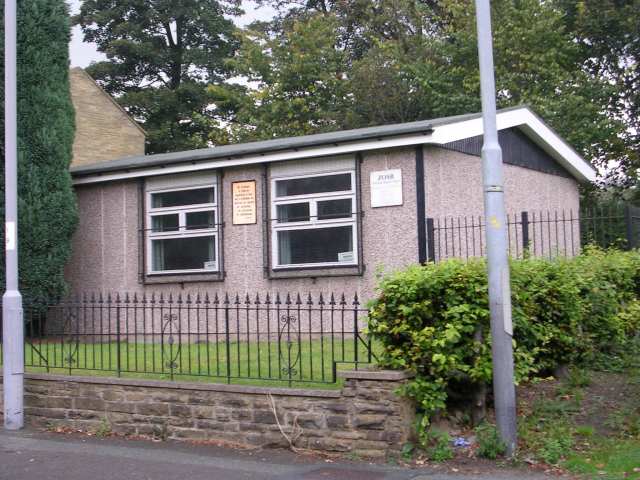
<point x="497" y="246"/>
<point x="12" y="324"/>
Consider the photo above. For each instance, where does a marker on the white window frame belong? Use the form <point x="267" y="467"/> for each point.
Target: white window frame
<point x="313" y="222"/>
<point x="182" y="231"/>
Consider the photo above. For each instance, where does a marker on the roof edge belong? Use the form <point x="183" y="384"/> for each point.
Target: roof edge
<point x="436" y="132"/>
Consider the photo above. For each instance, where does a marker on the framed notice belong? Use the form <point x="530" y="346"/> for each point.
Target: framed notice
<point x="386" y="188"/>
<point x="244" y="202"/>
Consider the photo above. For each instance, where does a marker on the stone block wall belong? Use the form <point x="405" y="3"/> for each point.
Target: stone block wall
<point x="366" y="417"/>
<point x="104" y="131"/>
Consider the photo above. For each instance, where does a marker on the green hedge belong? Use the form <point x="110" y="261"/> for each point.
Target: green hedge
<point x="434" y="319"/>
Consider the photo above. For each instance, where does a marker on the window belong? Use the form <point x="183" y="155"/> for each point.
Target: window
<point x="314" y="220"/>
<point x="182" y="228"/>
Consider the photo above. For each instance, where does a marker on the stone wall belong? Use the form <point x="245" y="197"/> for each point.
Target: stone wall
<point x="104" y="131"/>
<point x="365" y="418"/>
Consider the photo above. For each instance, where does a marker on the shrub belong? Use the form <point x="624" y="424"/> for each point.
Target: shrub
<point x="431" y="318"/>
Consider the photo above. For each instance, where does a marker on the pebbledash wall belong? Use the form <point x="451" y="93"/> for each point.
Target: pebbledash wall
<point x="108" y="245"/>
<point x="366" y="417"/>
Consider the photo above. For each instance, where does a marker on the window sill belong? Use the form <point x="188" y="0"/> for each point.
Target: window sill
<point x="182" y="278"/>
<point x="313" y="272"/>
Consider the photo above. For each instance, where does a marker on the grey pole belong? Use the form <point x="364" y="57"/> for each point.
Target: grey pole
<point x="497" y="259"/>
<point x="12" y="325"/>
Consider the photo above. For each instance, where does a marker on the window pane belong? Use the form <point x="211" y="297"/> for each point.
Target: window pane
<point x="293" y="212"/>
<point x="316" y="245"/>
<point x="183" y="253"/>
<point x="305" y="186"/>
<point x="164" y="223"/>
<point x="328" y="209"/>
<point x="182" y="197"/>
<point x="196" y="220"/>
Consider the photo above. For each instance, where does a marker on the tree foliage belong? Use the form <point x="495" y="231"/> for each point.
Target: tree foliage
<point x="161" y="55"/>
<point x="404" y="60"/>
<point x="300" y="82"/>
<point x="324" y="65"/>
<point x="46" y="204"/>
<point x="607" y="33"/>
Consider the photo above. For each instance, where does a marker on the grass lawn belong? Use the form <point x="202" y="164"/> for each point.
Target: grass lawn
<point x="300" y="363"/>
<point x="609" y="458"/>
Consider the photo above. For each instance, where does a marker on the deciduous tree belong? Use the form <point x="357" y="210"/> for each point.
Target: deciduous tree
<point x="161" y="55"/>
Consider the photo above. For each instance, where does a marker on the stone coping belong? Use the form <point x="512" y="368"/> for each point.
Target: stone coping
<point x="384" y="375"/>
<point x="208" y="387"/>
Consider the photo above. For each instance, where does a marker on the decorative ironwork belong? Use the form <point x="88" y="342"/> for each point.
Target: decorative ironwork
<point x="170" y="354"/>
<point x="290" y="355"/>
<point x="70" y="324"/>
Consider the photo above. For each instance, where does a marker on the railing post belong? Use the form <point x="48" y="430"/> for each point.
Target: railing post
<point x="628" y="223"/>
<point x="431" y="250"/>
<point x="524" y="224"/>
<point x="118" y="364"/>
<point x="226" y="336"/>
<point x="356" y="332"/>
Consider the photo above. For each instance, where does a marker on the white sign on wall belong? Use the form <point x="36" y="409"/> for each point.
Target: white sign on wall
<point x="386" y="188"/>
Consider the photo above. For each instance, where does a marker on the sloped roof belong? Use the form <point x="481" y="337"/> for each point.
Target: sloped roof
<point x="438" y="131"/>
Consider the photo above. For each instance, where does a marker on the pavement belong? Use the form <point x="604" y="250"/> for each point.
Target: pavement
<point x="38" y="455"/>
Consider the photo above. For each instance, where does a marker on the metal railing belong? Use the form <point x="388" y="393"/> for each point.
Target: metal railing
<point x="536" y="233"/>
<point x="271" y="338"/>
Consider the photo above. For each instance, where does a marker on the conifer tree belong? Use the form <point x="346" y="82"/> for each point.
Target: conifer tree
<point x="47" y="214"/>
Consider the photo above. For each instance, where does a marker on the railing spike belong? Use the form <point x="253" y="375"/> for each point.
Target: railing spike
<point x="247" y="301"/>
<point x="309" y="299"/>
<point x="298" y="299"/>
<point x="257" y="300"/>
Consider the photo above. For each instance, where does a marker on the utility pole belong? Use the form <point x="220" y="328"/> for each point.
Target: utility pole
<point x="497" y="261"/>
<point x="12" y="324"/>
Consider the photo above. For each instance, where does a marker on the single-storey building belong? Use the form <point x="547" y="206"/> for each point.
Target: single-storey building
<point x="318" y="213"/>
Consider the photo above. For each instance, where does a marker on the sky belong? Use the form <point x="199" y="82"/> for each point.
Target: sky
<point x="82" y="54"/>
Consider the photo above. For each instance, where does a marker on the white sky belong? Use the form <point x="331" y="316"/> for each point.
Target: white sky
<point x="82" y="54"/>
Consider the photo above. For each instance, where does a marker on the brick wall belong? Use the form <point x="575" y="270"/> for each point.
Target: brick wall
<point x="366" y="417"/>
<point x="104" y="131"/>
